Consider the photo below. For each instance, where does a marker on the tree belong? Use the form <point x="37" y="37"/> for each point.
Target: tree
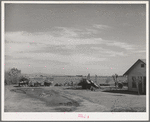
<point x="7" y="78"/>
<point x="115" y="76"/>
<point x="138" y="82"/>
<point x="107" y="80"/>
<point x="95" y="78"/>
<point x="12" y="76"/>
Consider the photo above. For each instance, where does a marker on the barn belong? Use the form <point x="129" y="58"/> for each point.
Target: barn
<point x="136" y="76"/>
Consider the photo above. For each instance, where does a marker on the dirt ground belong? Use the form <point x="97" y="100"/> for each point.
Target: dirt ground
<point x="61" y="99"/>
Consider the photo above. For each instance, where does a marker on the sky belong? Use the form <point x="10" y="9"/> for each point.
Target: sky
<point x="74" y="39"/>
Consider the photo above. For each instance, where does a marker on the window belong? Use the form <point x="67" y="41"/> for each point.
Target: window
<point x="142" y="65"/>
<point x="133" y="82"/>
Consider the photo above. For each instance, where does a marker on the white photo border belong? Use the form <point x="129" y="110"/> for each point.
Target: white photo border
<point x="70" y="116"/>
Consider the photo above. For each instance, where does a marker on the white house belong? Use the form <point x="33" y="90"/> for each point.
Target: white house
<point x="136" y="76"/>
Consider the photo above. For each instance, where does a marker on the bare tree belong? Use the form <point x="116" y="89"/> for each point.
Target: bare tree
<point x="115" y="76"/>
<point x="137" y="85"/>
<point x="95" y="78"/>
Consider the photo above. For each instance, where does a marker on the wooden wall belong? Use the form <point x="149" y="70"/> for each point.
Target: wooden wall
<point x="136" y="71"/>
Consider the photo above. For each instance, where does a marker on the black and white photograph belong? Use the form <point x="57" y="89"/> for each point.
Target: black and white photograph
<point x="75" y="60"/>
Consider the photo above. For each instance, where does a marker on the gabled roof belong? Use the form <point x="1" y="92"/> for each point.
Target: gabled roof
<point x="142" y="60"/>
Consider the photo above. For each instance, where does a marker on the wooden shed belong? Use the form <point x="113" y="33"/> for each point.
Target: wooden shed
<point x="136" y="76"/>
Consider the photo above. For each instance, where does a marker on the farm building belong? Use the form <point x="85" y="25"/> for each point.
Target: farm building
<point x="136" y="76"/>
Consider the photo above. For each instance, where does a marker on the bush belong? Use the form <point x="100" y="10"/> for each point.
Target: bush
<point x="23" y="81"/>
<point x="68" y="84"/>
<point x="22" y="78"/>
<point x="37" y="84"/>
<point x="120" y="85"/>
<point x="47" y="83"/>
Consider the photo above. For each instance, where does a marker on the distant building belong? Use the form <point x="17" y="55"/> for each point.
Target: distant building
<point x="136" y="76"/>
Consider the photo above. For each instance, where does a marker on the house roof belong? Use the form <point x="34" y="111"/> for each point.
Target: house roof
<point x="142" y="60"/>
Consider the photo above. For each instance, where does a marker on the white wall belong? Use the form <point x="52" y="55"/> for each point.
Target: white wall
<point x="136" y="71"/>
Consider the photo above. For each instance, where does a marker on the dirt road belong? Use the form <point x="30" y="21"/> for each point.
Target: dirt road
<point x="60" y="99"/>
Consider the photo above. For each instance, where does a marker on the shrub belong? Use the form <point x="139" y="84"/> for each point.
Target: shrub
<point x="37" y="84"/>
<point x="47" y="83"/>
<point x="120" y="85"/>
<point x="22" y="78"/>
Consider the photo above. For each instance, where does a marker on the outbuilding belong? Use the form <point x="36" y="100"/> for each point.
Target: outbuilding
<point x="136" y="76"/>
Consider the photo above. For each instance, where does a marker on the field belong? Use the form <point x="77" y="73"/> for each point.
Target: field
<point x="75" y="79"/>
<point x="67" y="99"/>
